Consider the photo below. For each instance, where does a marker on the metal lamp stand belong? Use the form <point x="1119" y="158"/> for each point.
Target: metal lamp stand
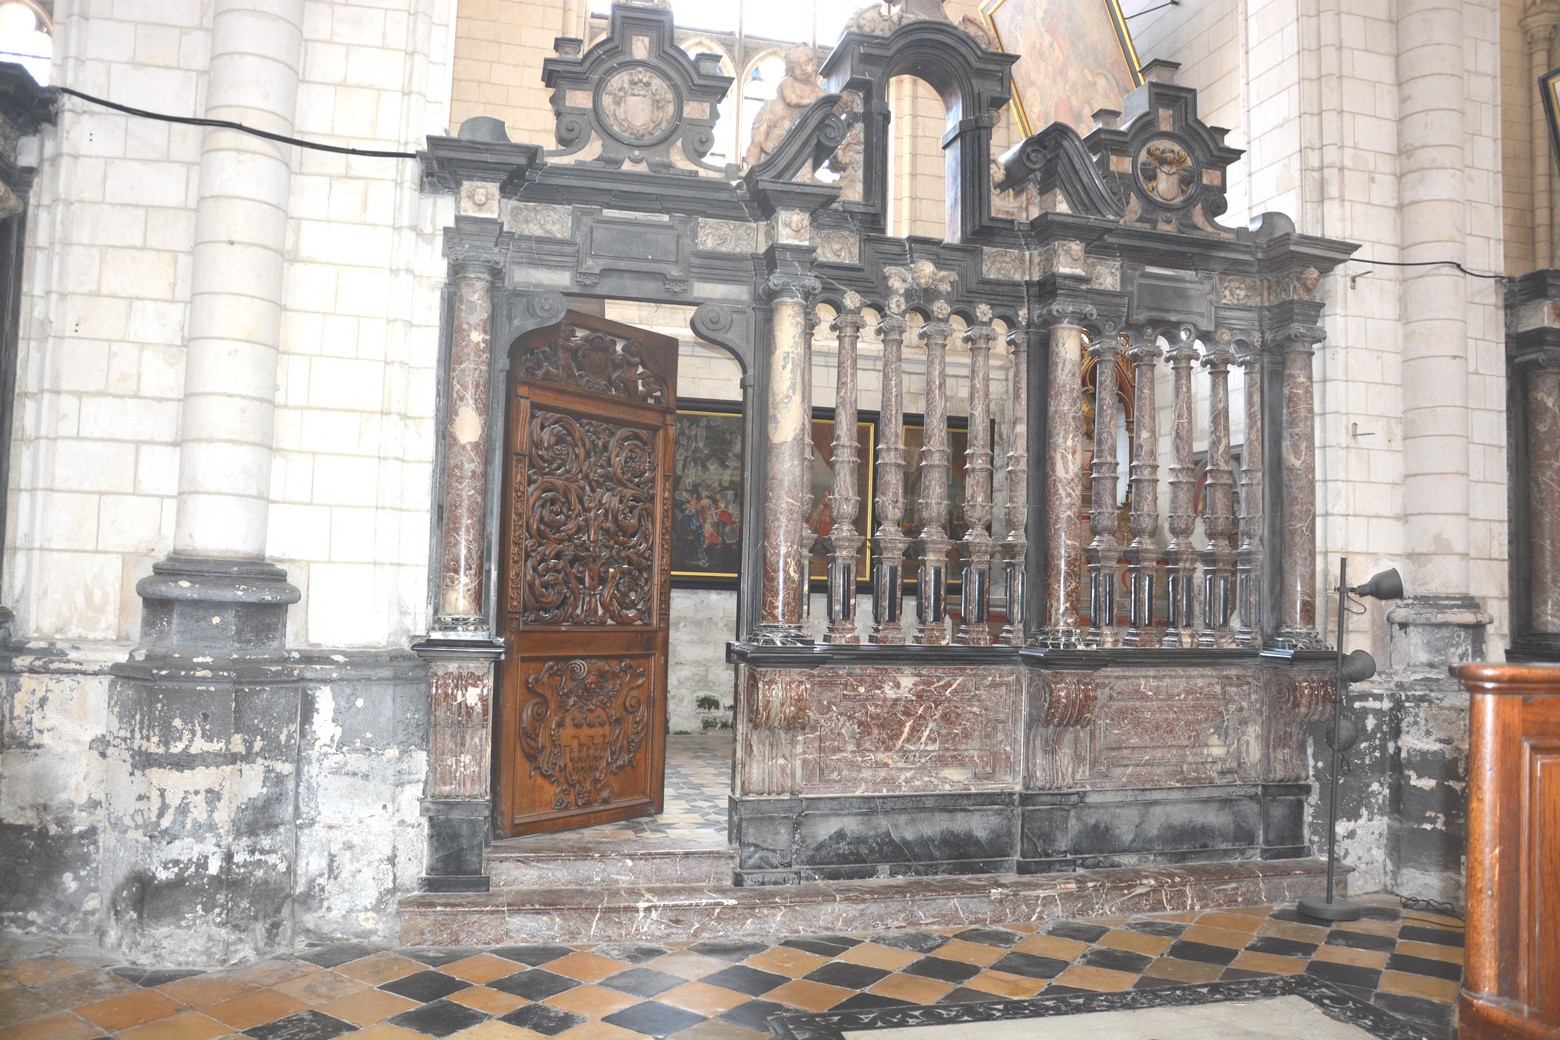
<point x="1331" y="909"/>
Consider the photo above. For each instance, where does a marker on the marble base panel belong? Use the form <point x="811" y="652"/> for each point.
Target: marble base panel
<point x="651" y="912"/>
<point x="519" y="868"/>
<point x="783" y="841"/>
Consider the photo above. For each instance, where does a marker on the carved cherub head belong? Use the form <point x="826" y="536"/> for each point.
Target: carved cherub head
<point x="801" y="62"/>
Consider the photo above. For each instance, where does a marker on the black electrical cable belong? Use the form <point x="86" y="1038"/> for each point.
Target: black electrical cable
<point x="227" y="124"/>
<point x="1430" y="263"/>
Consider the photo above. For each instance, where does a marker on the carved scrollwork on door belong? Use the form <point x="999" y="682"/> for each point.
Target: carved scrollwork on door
<point x="585" y="722"/>
<point x="586" y="523"/>
<point x="595" y="362"/>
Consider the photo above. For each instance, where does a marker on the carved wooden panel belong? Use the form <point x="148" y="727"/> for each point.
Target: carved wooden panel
<point x="599" y="363"/>
<point x="585" y="527"/>
<point x="584" y="723"/>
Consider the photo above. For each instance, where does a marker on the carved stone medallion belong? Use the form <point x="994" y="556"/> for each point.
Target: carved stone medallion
<point x="1167" y="172"/>
<point x="638" y="105"/>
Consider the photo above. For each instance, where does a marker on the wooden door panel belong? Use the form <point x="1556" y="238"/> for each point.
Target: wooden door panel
<point x="580" y="728"/>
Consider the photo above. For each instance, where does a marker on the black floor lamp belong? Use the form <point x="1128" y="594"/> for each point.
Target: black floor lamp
<point x="1355" y="667"/>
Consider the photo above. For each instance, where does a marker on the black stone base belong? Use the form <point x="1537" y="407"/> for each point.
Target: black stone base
<point x="458" y="835"/>
<point x="792" y="840"/>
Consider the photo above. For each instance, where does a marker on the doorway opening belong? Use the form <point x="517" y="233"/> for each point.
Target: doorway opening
<point x="633" y="745"/>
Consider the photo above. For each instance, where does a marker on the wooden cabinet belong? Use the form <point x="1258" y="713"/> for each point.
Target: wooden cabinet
<point x="1511" y="977"/>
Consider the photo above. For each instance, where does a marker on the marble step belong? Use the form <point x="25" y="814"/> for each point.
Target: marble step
<point x="517" y="866"/>
<point x="609" y="913"/>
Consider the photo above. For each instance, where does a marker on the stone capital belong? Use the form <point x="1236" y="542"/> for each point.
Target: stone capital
<point x="790" y="285"/>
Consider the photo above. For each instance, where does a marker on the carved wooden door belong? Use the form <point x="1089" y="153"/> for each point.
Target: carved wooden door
<point x="586" y="576"/>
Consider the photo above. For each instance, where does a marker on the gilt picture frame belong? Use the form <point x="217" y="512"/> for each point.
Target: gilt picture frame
<point x="1077" y="56"/>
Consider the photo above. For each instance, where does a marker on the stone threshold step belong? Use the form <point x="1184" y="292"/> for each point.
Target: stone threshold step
<point x="688" y="912"/>
<point x="512" y="865"/>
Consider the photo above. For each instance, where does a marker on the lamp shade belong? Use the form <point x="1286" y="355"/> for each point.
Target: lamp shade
<point x="1385" y="585"/>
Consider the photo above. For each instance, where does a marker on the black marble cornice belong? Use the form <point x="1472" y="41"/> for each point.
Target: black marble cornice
<point x="636" y="191"/>
<point x="1153" y="248"/>
<point x="771" y="196"/>
<point x="1535" y="285"/>
<point x="819" y="655"/>
<point x="450" y="162"/>
<point x="1281" y="248"/>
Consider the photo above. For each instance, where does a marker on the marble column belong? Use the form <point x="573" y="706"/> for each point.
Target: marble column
<point x="1219" y="500"/>
<point x="1297" y="555"/>
<point x="1180" y="553"/>
<point x="1248" y="556"/>
<point x="1104" y="517"/>
<point x="787" y="480"/>
<point x="1016" y="512"/>
<point x="1543" y="499"/>
<point x="1063" y="479"/>
<point x="846" y="539"/>
<point x="459" y="648"/>
<point x="977" y="546"/>
<point x="932" y="589"/>
<point x="462" y="570"/>
<point x="209" y="701"/>
<point x="1142" y="553"/>
<point x="887" y="577"/>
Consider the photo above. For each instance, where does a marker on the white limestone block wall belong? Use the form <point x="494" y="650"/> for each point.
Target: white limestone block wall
<point x="96" y="464"/>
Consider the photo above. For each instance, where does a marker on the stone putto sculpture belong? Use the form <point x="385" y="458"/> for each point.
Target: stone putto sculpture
<point x="798" y="90"/>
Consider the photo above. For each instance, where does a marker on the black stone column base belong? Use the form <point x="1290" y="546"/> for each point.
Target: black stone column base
<point x="458" y="834"/>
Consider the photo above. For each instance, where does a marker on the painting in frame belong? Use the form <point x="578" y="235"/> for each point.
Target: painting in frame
<point x="1075" y="57"/>
<point x="820" y="518"/>
<point x="707" y="495"/>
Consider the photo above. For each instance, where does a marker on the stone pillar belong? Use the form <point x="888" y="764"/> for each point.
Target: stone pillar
<point x="1143" y="551"/>
<point x="199" y="821"/>
<point x="978" y="548"/>
<point x="1219" y="511"/>
<point x="1297" y="554"/>
<point x="932" y="589"/>
<point x="1543" y="499"/>
<point x="846" y="538"/>
<point x="1180" y="553"/>
<point x="887" y="583"/>
<point x="1015" y="545"/>
<point x="1063" y="478"/>
<point x="1105" y="549"/>
<point x="460" y="649"/>
<point x="1437" y="491"/>
<point x="786" y="481"/>
<point x="1248" y="566"/>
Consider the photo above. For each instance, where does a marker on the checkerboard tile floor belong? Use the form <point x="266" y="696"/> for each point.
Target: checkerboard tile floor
<point x="1408" y="962"/>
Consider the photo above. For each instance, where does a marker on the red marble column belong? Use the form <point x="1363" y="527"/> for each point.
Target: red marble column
<point x="1297" y="598"/>
<point x="846" y="538"/>
<point x="977" y="546"/>
<point x="1143" y="552"/>
<point x="462" y="573"/>
<point x="1248" y="556"/>
<point x="932" y="589"/>
<point x="787" y="478"/>
<point x="887" y="584"/>
<point x="1180" y="553"/>
<point x="1543" y="437"/>
<point x="1063" y="483"/>
<point x="1219" y="499"/>
<point x="1016" y="512"/>
<point x="1104" y="550"/>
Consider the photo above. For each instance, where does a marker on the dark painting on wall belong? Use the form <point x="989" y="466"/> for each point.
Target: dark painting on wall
<point x="707" y="495"/>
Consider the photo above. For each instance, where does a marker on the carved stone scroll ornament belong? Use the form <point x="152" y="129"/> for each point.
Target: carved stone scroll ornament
<point x="586" y="523"/>
<point x="585" y="722"/>
<point x="1299" y="702"/>
<point x="595" y="362"/>
<point x="1059" y="738"/>
<point x="779" y="707"/>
